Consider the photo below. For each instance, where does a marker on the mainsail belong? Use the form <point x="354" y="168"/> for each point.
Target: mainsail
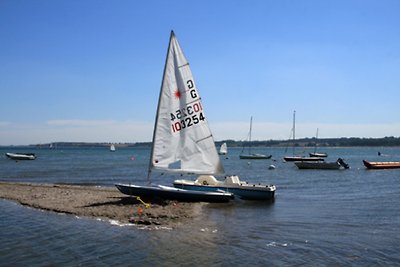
<point x="182" y="139"/>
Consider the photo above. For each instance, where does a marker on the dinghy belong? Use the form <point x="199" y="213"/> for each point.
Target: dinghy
<point x="250" y="154"/>
<point x="182" y="142"/>
<point x="21" y="156"/>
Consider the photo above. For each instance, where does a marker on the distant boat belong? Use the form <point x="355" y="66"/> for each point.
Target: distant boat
<point x="112" y="148"/>
<point x="298" y="158"/>
<point x="182" y="141"/>
<point x="21" y="156"/>
<point x="255" y="156"/>
<point x="251" y="155"/>
<point x="315" y="153"/>
<point x="339" y="164"/>
<point x="223" y="150"/>
<point x="382" y="164"/>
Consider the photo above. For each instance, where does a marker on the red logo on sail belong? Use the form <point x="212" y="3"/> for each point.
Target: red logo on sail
<point x="177" y="93"/>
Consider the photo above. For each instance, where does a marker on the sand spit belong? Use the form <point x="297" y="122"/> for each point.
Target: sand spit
<point x="99" y="202"/>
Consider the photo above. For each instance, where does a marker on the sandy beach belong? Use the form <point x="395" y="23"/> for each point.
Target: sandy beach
<point x="99" y="202"/>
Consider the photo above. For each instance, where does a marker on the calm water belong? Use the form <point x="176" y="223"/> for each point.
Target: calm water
<point x="319" y="218"/>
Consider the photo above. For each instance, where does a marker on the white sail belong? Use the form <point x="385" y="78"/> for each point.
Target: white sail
<point x="223" y="150"/>
<point x="182" y="140"/>
<point x="112" y="148"/>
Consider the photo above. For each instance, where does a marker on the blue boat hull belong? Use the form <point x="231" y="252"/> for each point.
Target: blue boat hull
<point x="170" y="193"/>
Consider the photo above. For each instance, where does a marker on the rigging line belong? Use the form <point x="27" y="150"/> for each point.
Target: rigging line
<point x="204" y="138"/>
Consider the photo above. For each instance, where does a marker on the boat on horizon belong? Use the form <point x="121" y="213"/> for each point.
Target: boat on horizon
<point x="182" y="142"/>
<point x="381" y="164"/>
<point x="112" y="148"/>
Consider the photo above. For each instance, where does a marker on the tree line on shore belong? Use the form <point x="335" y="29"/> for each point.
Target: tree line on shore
<point x="302" y="142"/>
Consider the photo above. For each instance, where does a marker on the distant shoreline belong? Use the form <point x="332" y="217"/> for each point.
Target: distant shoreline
<point x="302" y="142"/>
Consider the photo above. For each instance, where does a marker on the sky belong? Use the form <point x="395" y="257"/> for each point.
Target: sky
<point x="91" y="70"/>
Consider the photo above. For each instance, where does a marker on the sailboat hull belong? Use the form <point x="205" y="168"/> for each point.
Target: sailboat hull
<point x="254" y="156"/>
<point x="320" y="155"/>
<point x="171" y="193"/>
<point x="298" y="158"/>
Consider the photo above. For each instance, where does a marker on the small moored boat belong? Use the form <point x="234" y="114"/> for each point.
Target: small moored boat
<point x="21" y="156"/>
<point x="382" y="164"/>
<point x="251" y="155"/>
<point x="339" y="164"/>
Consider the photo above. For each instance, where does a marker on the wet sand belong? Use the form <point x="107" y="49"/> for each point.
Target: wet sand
<point x="99" y="202"/>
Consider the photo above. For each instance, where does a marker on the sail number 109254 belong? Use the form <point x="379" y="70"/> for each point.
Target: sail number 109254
<point x="187" y="117"/>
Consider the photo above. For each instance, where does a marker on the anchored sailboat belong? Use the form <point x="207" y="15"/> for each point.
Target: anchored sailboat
<point x="298" y="158"/>
<point x="182" y="141"/>
<point x="112" y="148"/>
<point x="223" y="150"/>
<point x="251" y="155"/>
<point x="315" y="153"/>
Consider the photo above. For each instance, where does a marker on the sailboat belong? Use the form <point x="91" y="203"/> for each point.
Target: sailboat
<point x="223" y="150"/>
<point x="298" y="158"/>
<point x="250" y="155"/>
<point x="315" y="153"/>
<point x="182" y="141"/>
<point x="112" y="148"/>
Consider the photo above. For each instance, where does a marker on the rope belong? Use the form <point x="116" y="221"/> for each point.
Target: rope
<point x="147" y="205"/>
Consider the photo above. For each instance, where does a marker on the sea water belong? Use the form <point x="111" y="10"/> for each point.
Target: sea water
<point x="318" y="218"/>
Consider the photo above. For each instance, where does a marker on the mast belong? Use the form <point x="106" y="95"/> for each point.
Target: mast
<point x="251" y="125"/>
<point x="158" y="109"/>
<point x="316" y="138"/>
<point x="294" y="130"/>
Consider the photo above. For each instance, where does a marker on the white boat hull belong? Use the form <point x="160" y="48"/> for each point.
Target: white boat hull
<point x="231" y="184"/>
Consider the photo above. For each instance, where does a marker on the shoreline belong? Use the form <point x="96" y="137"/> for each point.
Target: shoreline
<point x="99" y="202"/>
